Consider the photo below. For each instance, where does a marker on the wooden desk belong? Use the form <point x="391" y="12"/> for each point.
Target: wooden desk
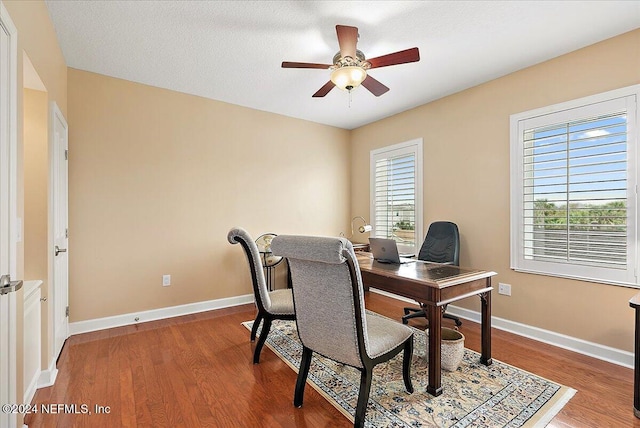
<point x="434" y="285"/>
<point x="635" y="304"/>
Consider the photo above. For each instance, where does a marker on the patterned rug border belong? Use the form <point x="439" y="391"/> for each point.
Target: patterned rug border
<point x="540" y="418"/>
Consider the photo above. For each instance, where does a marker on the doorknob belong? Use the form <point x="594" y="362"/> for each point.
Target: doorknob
<point x="7" y="286"/>
<point x="57" y="250"/>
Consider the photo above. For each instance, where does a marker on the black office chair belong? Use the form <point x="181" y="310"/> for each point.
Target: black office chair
<point x="441" y="245"/>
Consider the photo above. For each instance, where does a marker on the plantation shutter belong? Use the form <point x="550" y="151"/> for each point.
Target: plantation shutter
<point x="394" y="196"/>
<point x="575" y="191"/>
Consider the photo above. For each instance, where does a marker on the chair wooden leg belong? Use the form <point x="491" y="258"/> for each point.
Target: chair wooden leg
<point x="363" y="397"/>
<point x="305" y="363"/>
<point x="256" y="324"/>
<point x="406" y="364"/>
<point x="263" y="337"/>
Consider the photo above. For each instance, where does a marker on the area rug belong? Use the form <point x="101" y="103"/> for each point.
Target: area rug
<point x="474" y="395"/>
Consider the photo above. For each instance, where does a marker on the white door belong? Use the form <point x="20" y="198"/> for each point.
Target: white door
<point x="60" y="248"/>
<point x="8" y="223"/>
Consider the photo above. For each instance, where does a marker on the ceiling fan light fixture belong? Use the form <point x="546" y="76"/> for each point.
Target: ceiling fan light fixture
<point x="349" y="77"/>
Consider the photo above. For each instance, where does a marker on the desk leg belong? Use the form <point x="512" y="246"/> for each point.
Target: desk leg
<point x="434" y="314"/>
<point x="485" y="299"/>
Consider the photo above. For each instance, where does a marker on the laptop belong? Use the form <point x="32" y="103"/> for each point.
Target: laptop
<point x="386" y="251"/>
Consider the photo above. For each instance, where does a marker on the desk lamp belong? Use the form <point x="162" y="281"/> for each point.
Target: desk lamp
<point x="362" y="229"/>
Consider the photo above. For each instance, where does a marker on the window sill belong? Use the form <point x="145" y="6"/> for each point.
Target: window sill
<point x="578" y="278"/>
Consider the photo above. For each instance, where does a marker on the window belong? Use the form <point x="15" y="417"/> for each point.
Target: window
<point x="573" y="188"/>
<point x="396" y="194"/>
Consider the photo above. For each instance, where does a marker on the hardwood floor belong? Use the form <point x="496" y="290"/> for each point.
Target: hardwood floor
<point x="197" y="370"/>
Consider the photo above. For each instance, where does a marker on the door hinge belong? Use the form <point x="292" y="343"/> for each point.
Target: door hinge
<point x="66" y="154"/>
<point x="66" y="312"/>
<point x="66" y="233"/>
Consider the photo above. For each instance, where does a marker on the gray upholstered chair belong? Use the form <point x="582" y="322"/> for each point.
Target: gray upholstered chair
<point x="272" y="305"/>
<point x="330" y="313"/>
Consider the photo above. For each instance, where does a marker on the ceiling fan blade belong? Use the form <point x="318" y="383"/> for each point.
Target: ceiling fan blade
<point x="375" y="87"/>
<point x="286" y="64"/>
<point x="324" y="90"/>
<point x="401" y="57"/>
<point x="347" y="39"/>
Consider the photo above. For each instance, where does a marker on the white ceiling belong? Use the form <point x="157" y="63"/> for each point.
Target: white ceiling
<point x="232" y="50"/>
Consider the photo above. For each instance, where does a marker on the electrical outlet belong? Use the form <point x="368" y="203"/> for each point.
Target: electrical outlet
<point x="504" y="289"/>
<point x="166" y="280"/>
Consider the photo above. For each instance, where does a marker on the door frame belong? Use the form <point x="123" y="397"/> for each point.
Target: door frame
<point x="8" y="360"/>
<point x="57" y="303"/>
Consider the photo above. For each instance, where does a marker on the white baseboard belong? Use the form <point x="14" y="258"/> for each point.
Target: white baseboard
<point x="30" y="391"/>
<point x="394" y="296"/>
<point x="48" y="377"/>
<point x="42" y="379"/>
<point x="595" y="350"/>
<point x="156" y="314"/>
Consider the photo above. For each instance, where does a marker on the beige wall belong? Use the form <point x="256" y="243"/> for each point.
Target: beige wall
<point x="466" y="180"/>
<point x="36" y="180"/>
<point x="157" y="179"/>
<point x="36" y="37"/>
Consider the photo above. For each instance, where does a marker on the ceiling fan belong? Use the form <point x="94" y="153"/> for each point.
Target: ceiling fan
<point x="349" y="68"/>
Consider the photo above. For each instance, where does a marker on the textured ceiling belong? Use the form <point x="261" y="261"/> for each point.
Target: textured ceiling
<point x="232" y="50"/>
